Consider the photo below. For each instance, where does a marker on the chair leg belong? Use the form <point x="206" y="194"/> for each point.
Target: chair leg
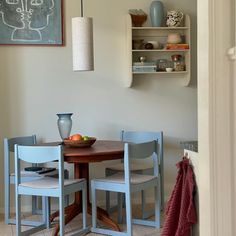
<point x="84" y="201"/>
<point x="67" y="200"/>
<point x="46" y="211"/>
<point x="108" y="202"/>
<point x="157" y="195"/>
<point x="7" y="202"/>
<point x="36" y="208"/>
<point x="18" y="215"/>
<point x="119" y="206"/>
<point x="61" y="215"/>
<point x="44" y="208"/>
<point x="143" y="199"/>
<point x="162" y="189"/>
<point x="34" y="205"/>
<point x="123" y="200"/>
<point x="94" y="206"/>
<point x="128" y="214"/>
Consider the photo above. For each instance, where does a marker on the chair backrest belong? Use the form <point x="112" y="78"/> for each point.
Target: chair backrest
<point x="9" y="144"/>
<point x="145" y="136"/>
<point x="39" y="154"/>
<point x="140" y="151"/>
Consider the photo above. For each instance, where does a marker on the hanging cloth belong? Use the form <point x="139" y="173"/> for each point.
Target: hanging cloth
<point x="180" y="213"/>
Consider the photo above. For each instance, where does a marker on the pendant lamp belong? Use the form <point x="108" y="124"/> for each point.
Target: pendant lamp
<point x="82" y="43"/>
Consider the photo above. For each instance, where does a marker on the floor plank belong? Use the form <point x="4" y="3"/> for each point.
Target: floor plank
<point x="9" y="230"/>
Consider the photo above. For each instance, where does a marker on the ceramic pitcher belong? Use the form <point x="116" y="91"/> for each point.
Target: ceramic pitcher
<point x="174" y="18"/>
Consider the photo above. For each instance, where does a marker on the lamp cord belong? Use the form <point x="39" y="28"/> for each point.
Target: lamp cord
<point x="82" y="9"/>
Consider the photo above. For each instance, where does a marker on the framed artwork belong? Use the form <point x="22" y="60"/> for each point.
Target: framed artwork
<point x="31" y="22"/>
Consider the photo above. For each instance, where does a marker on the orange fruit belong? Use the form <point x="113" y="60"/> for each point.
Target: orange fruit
<point x="76" y="137"/>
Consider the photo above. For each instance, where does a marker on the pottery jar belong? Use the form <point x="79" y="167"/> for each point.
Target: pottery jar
<point x="174" y="18"/>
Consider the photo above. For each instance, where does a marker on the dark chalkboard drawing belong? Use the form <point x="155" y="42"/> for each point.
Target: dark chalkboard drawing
<point x="30" y="22"/>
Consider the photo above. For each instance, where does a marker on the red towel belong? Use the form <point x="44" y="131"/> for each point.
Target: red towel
<point x="180" y="212"/>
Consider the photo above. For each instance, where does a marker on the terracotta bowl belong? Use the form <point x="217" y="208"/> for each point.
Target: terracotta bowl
<point x="80" y="143"/>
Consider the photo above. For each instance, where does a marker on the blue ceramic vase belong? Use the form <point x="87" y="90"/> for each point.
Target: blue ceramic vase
<point x="64" y="124"/>
<point x="157" y="13"/>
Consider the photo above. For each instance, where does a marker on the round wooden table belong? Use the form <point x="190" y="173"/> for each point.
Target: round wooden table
<point x="102" y="150"/>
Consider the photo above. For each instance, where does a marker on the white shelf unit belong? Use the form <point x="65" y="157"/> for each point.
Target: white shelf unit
<point x="159" y="34"/>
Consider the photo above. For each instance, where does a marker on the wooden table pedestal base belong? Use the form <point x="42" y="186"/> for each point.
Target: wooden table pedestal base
<point x="73" y="210"/>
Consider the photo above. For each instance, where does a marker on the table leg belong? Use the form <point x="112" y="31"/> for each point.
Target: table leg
<point x="70" y="213"/>
<point x="81" y="170"/>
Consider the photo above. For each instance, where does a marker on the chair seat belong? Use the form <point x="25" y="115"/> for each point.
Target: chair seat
<point x="48" y="182"/>
<point x="119" y="178"/>
<point x="135" y="166"/>
<point x="35" y="174"/>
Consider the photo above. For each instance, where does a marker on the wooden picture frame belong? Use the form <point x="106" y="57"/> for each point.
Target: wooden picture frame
<point x="31" y="22"/>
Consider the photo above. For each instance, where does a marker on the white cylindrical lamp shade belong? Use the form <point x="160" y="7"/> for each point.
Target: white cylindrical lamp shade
<point x="82" y="44"/>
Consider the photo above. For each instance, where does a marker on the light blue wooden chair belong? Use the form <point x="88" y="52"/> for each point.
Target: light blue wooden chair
<point x="9" y="177"/>
<point x="139" y="168"/>
<point x="127" y="183"/>
<point x="46" y="186"/>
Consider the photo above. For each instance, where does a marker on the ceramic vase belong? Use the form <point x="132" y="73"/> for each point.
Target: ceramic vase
<point x="64" y="124"/>
<point x="157" y="13"/>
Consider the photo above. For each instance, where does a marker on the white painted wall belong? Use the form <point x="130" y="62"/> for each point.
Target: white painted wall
<point x="38" y="82"/>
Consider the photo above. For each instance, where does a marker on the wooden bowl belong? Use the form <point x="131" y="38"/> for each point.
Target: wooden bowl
<point x="138" y="20"/>
<point x="80" y="143"/>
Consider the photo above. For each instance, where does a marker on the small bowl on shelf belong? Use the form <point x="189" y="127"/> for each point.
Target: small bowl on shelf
<point x="148" y="46"/>
<point x="80" y="143"/>
<point x="154" y="43"/>
<point x="169" y="69"/>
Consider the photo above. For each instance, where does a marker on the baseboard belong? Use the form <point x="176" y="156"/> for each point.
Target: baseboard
<point x="25" y="208"/>
<point x="102" y="202"/>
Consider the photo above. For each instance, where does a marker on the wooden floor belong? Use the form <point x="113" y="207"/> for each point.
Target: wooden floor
<point x="9" y="230"/>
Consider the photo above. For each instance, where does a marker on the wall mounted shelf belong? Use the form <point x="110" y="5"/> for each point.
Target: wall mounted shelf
<point x="157" y="34"/>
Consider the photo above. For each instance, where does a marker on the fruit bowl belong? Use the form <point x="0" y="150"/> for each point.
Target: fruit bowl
<point x="80" y="143"/>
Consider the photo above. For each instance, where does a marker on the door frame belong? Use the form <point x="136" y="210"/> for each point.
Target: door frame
<point x="216" y="123"/>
